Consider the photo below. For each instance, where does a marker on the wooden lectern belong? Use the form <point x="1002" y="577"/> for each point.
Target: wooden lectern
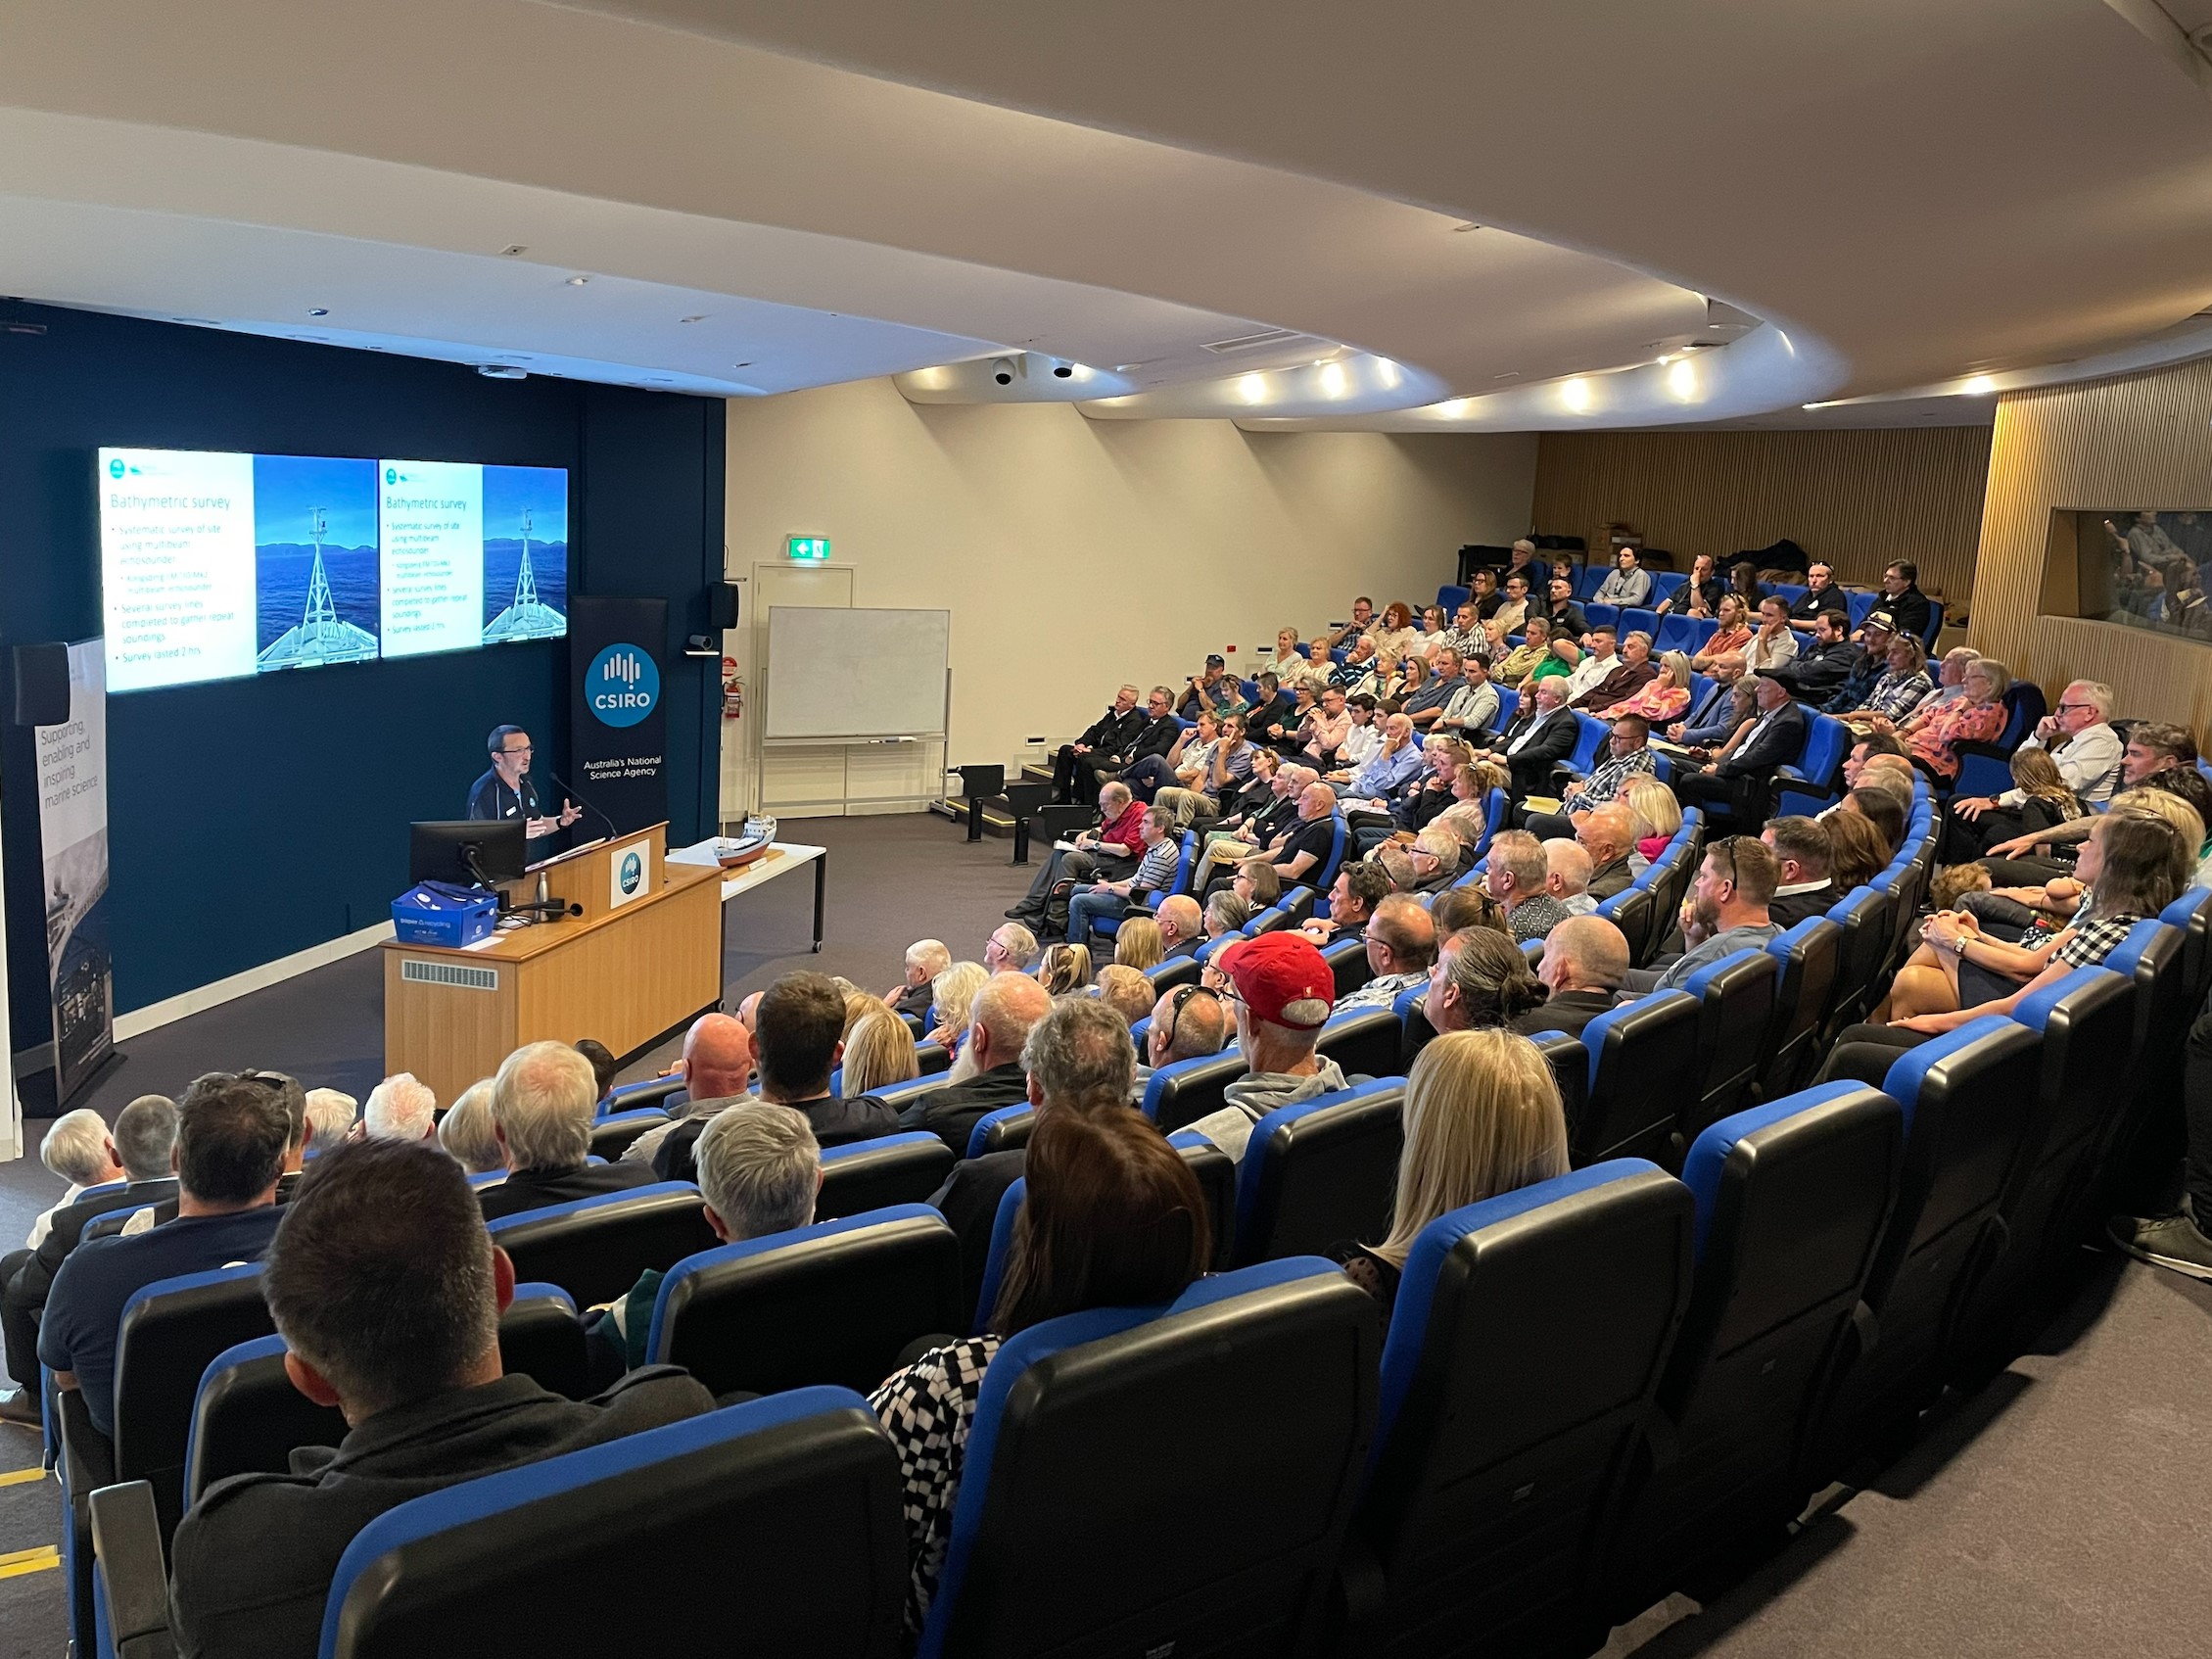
<point x="638" y="953"/>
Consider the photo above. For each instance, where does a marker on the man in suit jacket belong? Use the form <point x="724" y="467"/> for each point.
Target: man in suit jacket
<point x="1543" y="734"/>
<point x="1741" y="776"/>
<point x="1111" y="733"/>
<point x="1709" y="722"/>
<point x="1585" y="962"/>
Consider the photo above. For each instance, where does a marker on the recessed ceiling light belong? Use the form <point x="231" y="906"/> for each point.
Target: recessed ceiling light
<point x="701" y="317"/>
<point x="512" y="249"/>
<point x="1575" y="394"/>
<point x="1978" y="386"/>
<point x="1253" y="387"/>
<point x="578" y="282"/>
<point x="318" y="310"/>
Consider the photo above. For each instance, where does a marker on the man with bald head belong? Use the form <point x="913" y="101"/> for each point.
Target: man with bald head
<point x="1187" y="1022"/>
<point x="1567" y="876"/>
<point x="1608" y="834"/>
<point x="1402" y="947"/>
<point x="1305" y="845"/>
<point x="1182" y="926"/>
<point x="1585" y="962"/>
<point x="717" y="1067"/>
<point x="1006" y="1009"/>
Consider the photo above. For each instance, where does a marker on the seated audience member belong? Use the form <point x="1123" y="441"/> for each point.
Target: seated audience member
<point x="402" y="1109"/>
<point x="879" y="1051"/>
<point x="1741" y="777"/>
<point x="1700" y="595"/>
<point x="1225" y="913"/>
<point x="1472" y="711"/>
<point x="1632" y="674"/>
<point x="1515" y="875"/>
<point x="1423" y="704"/>
<point x="1902" y="598"/>
<point x="1655" y="815"/>
<point x="1384" y="679"/>
<point x="1362" y="626"/>
<point x="1484" y="593"/>
<point x="1220" y="778"/>
<point x="1401" y="946"/>
<point x="1192" y="747"/>
<point x="1482" y="1117"/>
<point x="1122" y="734"/>
<point x="1187" y="1022"/>
<point x="1305" y="845"/>
<point x="1857" y="853"/>
<point x="1011" y="949"/>
<point x="1711" y="719"/>
<point x="1511" y="614"/>
<point x="1584" y="965"/>
<point x="1322" y="732"/>
<point x="1127" y="991"/>
<point x="1358" y="663"/>
<point x="797" y="1047"/>
<point x="1258" y="885"/>
<point x="1803" y="886"/>
<point x="760" y="1169"/>
<point x="542" y="1112"/>
<point x="331" y="1113"/>
<point x="1290" y="663"/>
<point x="233" y="1132"/>
<point x="1725" y="911"/>
<point x="1363" y="738"/>
<point x="1599" y="658"/>
<point x="1744" y="582"/>
<point x="1398" y="865"/>
<point x="2153" y="751"/>
<point x="1458" y="909"/>
<point x="1515" y="663"/>
<point x="1626" y="585"/>
<point x="1728" y="640"/>
<point x="603" y="1058"/>
<point x="465" y="1131"/>
<point x="1273" y="717"/>
<point x="1608" y="835"/>
<point x="1064" y="969"/>
<point x="1112" y="1217"/>
<point x="1138" y="944"/>
<point x="950" y="995"/>
<point x="1950" y="686"/>
<point x="1566" y="877"/>
<point x="139" y="1150"/>
<point x="1182" y="927"/>
<point x="1108" y="851"/>
<point x="1154" y="874"/>
<point x="1435" y="856"/>
<point x="290" y="1095"/>
<point x="1665" y="697"/>
<point x="1626" y="755"/>
<point x="1007" y="1009"/>
<point x="2078" y="740"/>
<point x="1393" y="765"/>
<point x="1879" y="805"/>
<point x="1263" y="808"/>
<point x="1467" y="636"/>
<point x="1977" y="717"/>
<point x="1280" y="995"/>
<point x="1543" y="734"/>
<point x="1823" y="661"/>
<point x="1214" y="688"/>
<point x="1561" y="616"/>
<point x="2039" y="799"/>
<point x="1888" y="678"/>
<point x="1821" y="597"/>
<point x="717" y="1065"/>
<point x="1078" y="1057"/>
<point x="388" y="1294"/>
<point x="1423" y="800"/>
<point x="926" y="959"/>
<point x="1866" y="745"/>
<point x="1479" y="979"/>
<point x="1775" y="643"/>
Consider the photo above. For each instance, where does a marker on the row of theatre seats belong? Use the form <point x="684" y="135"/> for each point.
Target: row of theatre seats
<point x="1592" y="1390"/>
<point x="1666" y="584"/>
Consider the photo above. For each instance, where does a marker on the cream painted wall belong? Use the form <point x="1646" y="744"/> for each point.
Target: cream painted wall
<point x="1076" y="555"/>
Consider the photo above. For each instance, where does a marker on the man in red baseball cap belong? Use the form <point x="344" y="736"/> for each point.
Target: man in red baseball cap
<point x="1282" y="993"/>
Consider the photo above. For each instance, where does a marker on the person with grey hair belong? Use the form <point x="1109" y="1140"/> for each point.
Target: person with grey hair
<point x="402" y="1109"/>
<point x="2077" y="733"/>
<point x="1566" y="877"/>
<point x="543" y="1097"/>
<point x="465" y="1131"/>
<point x="759" y="1170"/>
<point x="1078" y="1057"/>
<point x="77" y="1148"/>
<point x="1283" y="993"/>
<point x="1004" y="1012"/>
<point x="330" y="1118"/>
<point x="926" y="959"/>
<point x="1182" y="927"/>
<point x="1516" y="876"/>
<point x="141" y="1145"/>
<point x="1012" y="948"/>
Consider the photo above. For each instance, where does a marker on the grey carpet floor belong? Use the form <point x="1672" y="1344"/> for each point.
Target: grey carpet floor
<point x="2058" y="1511"/>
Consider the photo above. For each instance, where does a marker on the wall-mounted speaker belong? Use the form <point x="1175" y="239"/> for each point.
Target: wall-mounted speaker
<point x="41" y="688"/>
<point x="721" y="606"/>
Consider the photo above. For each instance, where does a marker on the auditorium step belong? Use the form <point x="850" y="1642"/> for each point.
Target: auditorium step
<point x="995" y="820"/>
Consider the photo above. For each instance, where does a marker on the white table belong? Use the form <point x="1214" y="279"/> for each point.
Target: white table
<point x="780" y="858"/>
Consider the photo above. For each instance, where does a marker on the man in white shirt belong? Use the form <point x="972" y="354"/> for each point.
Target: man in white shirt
<point x="1566" y="877"/>
<point x="1599" y="659"/>
<point x="2087" y="752"/>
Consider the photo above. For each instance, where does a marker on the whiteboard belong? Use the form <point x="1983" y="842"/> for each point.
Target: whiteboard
<point x="837" y="673"/>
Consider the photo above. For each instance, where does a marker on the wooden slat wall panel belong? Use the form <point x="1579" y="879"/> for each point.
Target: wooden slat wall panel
<point x="2143" y="441"/>
<point x="1856" y="500"/>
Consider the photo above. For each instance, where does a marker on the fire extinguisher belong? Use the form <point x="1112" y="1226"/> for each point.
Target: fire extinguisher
<point x="732" y="690"/>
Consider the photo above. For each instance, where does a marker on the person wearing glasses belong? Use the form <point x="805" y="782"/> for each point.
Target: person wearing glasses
<point x="1187" y="1022"/>
<point x="1725" y="911"/>
<point x="507" y="791"/>
<point x="2079" y="736"/>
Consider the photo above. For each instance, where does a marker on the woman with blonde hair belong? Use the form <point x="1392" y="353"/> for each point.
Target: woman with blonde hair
<point x="1657" y="816"/>
<point x="465" y="1131"/>
<point x="1666" y="699"/>
<point x="1482" y="1117"/>
<point x="879" y="1051"/>
<point x="1065" y="968"/>
<point x="859" y="1005"/>
<point x="951" y="994"/>
<point x="1138" y="944"/>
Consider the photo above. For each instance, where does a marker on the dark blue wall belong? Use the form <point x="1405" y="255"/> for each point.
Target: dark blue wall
<point x="250" y="819"/>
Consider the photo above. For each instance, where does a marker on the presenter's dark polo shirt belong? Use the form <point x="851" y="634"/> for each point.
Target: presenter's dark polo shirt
<point x="489" y="797"/>
<point x="252" y="1564"/>
<point x="78" y="1330"/>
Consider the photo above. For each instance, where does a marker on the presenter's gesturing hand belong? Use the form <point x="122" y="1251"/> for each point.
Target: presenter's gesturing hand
<point x="570" y="813"/>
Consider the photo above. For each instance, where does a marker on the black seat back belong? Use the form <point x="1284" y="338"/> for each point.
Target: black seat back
<point x="1216" y="1175"/>
<point x="1347" y="962"/>
<point x="1642" y="1065"/>
<point x="831" y="1303"/>
<point x="1735" y="1006"/>
<point x="168" y="1334"/>
<point x="1189" y="1089"/>
<point x="1319" y="1174"/>
<point x="1570" y="1064"/>
<point x="864" y="1175"/>
<point x="1364" y="1042"/>
<point x="1530" y="1332"/>
<point x="612" y="1134"/>
<point x="595" y="1248"/>
<point x="1809" y="955"/>
<point x="1865" y="920"/>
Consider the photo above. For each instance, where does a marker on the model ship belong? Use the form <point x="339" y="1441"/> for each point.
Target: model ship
<point x="759" y="834"/>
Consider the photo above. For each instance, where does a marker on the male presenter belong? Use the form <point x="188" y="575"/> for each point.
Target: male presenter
<point x="509" y="790"/>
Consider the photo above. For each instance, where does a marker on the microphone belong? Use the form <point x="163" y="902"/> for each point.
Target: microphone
<point x="577" y="795"/>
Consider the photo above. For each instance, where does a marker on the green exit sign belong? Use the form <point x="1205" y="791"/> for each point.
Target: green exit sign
<point x="811" y="550"/>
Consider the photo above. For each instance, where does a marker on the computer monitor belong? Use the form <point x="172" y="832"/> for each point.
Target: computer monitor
<point x="444" y="849"/>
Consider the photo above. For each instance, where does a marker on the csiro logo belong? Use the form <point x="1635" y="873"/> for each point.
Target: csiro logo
<point x="115" y="467"/>
<point x="632" y="872"/>
<point x="621" y="686"/>
<point x="391" y="475"/>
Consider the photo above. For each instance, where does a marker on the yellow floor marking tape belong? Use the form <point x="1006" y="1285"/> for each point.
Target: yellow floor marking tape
<point x="38" y="1564"/>
<point x="22" y="1477"/>
<point x="41" y="1553"/>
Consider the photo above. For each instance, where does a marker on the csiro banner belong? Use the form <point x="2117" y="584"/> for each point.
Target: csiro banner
<point x="618" y="728"/>
<point x="73" y="827"/>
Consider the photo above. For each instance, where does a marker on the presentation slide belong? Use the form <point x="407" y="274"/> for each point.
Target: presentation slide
<point x="216" y="565"/>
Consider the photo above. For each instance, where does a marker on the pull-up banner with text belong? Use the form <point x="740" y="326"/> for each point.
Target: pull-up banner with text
<point x="72" y="828"/>
<point x="617" y="727"/>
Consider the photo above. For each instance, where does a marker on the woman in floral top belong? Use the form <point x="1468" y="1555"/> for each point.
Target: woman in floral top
<point x="1978" y="717"/>
<point x="1112" y="1217"/>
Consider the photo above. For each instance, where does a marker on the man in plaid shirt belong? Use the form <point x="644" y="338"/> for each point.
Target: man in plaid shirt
<point x="1626" y="756"/>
